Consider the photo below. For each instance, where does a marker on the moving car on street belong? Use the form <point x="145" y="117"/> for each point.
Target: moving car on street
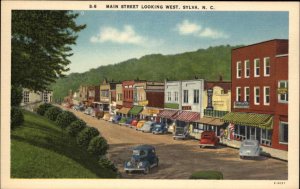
<point x="181" y="133"/>
<point x="250" y="148"/>
<point x="143" y="159"/>
<point x="208" y="138"/>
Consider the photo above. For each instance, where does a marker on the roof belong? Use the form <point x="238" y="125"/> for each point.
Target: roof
<point x="260" y="43"/>
<point x="187" y="116"/>
<point x="143" y="147"/>
<point x="225" y="85"/>
<point x="249" y="119"/>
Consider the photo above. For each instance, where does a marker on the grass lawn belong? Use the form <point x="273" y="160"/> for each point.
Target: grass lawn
<point x="39" y="150"/>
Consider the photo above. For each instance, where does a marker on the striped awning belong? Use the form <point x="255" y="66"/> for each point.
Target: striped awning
<point x="135" y="110"/>
<point x="187" y="116"/>
<point x="249" y="119"/>
<point x="167" y="114"/>
<point x="211" y="121"/>
<point x="123" y="110"/>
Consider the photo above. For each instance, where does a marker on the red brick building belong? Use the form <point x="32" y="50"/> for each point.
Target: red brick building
<point x="259" y="97"/>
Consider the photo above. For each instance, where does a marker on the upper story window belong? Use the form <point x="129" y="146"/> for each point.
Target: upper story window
<point x="247" y="94"/>
<point x="266" y="66"/>
<point x="238" y="94"/>
<point x="283" y="93"/>
<point x="26" y="96"/>
<point x="238" y="69"/>
<point x="247" y="68"/>
<point x="196" y="96"/>
<point x="185" y="96"/>
<point x="45" y="96"/>
<point x="169" y="96"/>
<point x="256" y="67"/>
<point x="256" y="95"/>
<point x="176" y="96"/>
<point x="266" y="95"/>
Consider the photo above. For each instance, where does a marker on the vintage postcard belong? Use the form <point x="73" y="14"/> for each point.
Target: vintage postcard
<point x="143" y="94"/>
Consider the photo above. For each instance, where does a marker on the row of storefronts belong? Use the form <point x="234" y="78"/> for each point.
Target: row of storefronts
<point x="254" y="105"/>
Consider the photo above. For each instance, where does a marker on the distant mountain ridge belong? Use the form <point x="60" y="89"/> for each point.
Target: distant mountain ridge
<point x="206" y="64"/>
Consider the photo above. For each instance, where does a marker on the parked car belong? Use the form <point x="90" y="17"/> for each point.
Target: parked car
<point x="143" y="159"/>
<point x="208" y="138"/>
<point x="128" y="121"/>
<point x="76" y="107"/>
<point x="181" y="133"/>
<point x="148" y="126"/>
<point x="123" y="121"/>
<point x="250" y="148"/>
<point x="134" y="123"/>
<point x="81" y="107"/>
<point x="116" y="119"/>
<point x="88" y="111"/>
<point x="159" y="128"/>
<point x="140" y="124"/>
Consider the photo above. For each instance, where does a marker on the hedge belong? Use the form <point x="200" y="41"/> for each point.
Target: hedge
<point x="53" y="112"/>
<point x="65" y="118"/>
<point x="104" y="162"/>
<point x="16" y="96"/>
<point x="98" y="146"/>
<point x="86" y="135"/>
<point x="75" y="127"/>
<point x="16" y="118"/>
<point x="216" y="175"/>
<point x="43" y="108"/>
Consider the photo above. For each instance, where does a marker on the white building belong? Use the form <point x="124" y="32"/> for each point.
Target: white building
<point x="30" y="97"/>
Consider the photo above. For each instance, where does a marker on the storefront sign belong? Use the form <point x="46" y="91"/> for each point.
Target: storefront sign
<point x="241" y="104"/>
<point x="282" y="90"/>
<point x="209" y="99"/>
<point x="143" y="103"/>
<point x="186" y="108"/>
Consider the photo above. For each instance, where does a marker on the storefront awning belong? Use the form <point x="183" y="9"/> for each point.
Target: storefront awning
<point x="167" y="113"/>
<point x="135" y="110"/>
<point x="211" y="121"/>
<point x="123" y="110"/>
<point x="187" y="116"/>
<point x="249" y="119"/>
<point x="149" y="112"/>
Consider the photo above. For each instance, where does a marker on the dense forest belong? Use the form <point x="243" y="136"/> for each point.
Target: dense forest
<point x="206" y="64"/>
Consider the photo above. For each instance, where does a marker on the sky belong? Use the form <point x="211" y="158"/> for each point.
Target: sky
<point x="116" y="36"/>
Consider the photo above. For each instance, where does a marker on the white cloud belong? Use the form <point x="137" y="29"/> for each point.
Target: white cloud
<point x="188" y="28"/>
<point x="125" y="36"/>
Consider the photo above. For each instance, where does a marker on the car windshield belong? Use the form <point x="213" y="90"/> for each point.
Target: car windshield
<point x="249" y="143"/>
<point x="138" y="152"/>
<point x="157" y="126"/>
<point x="206" y="136"/>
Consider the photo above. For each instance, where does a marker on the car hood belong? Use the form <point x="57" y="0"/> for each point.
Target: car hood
<point x="251" y="148"/>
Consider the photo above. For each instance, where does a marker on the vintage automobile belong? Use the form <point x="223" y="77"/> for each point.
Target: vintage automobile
<point x="181" y="133"/>
<point x="128" y="121"/>
<point x="208" y="138"/>
<point x="250" y="148"/>
<point x="134" y="123"/>
<point x="140" y="124"/>
<point x="116" y="119"/>
<point x="143" y="159"/>
<point x="123" y="120"/>
<point x="159" y="128"/>
<point x="148" y="126"/>
<point x="76" y="107"/>
<point x="106" y="116"/>
<point x="89" y="111"/>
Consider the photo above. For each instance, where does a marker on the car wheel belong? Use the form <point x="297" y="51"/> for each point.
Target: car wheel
<point x="147" y="170"/>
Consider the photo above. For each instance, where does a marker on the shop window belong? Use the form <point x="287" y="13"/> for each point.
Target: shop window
<point x="266" y="95"/>
<point x="169" y="96"/>
<point x="26" y="96"/>
<point x="247" y="94"/>
<point x="239" y="132"/>
<point x="266" y="66"/>
<point x="238" y="69"/>
<point x="283" y="95"/>
<point x="256" y="95"/>
<point x="266" y="137"/>
<point x="176" y="96"/>
<point x="256" y="67"/>
<point x="238" y="94"/>
<point x="247" y="68"/>
<point x="283" y="132"/>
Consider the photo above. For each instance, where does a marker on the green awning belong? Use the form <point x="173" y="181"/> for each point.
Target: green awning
<point x="249" y="119"/>
<point x="135" y="110"/>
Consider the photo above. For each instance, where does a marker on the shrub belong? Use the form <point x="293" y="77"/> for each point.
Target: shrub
<point x="16" y="96"/>
<point x="16" y="118"/>
<point x="43" y="108"/>
<point x="98" y="146"/>
<point x="65" y="118"/>
<point x="104" y="162"/>
<point x="75" y="127"/>
<point x="53" y="112"/>
<point x="85" y="136"/>
<point x="216" y="175"/>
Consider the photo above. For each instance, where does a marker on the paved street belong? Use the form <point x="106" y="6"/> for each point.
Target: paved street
<point x="179" y="159"/>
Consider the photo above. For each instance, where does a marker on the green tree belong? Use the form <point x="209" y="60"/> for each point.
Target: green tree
<point x="41" y="45"/>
